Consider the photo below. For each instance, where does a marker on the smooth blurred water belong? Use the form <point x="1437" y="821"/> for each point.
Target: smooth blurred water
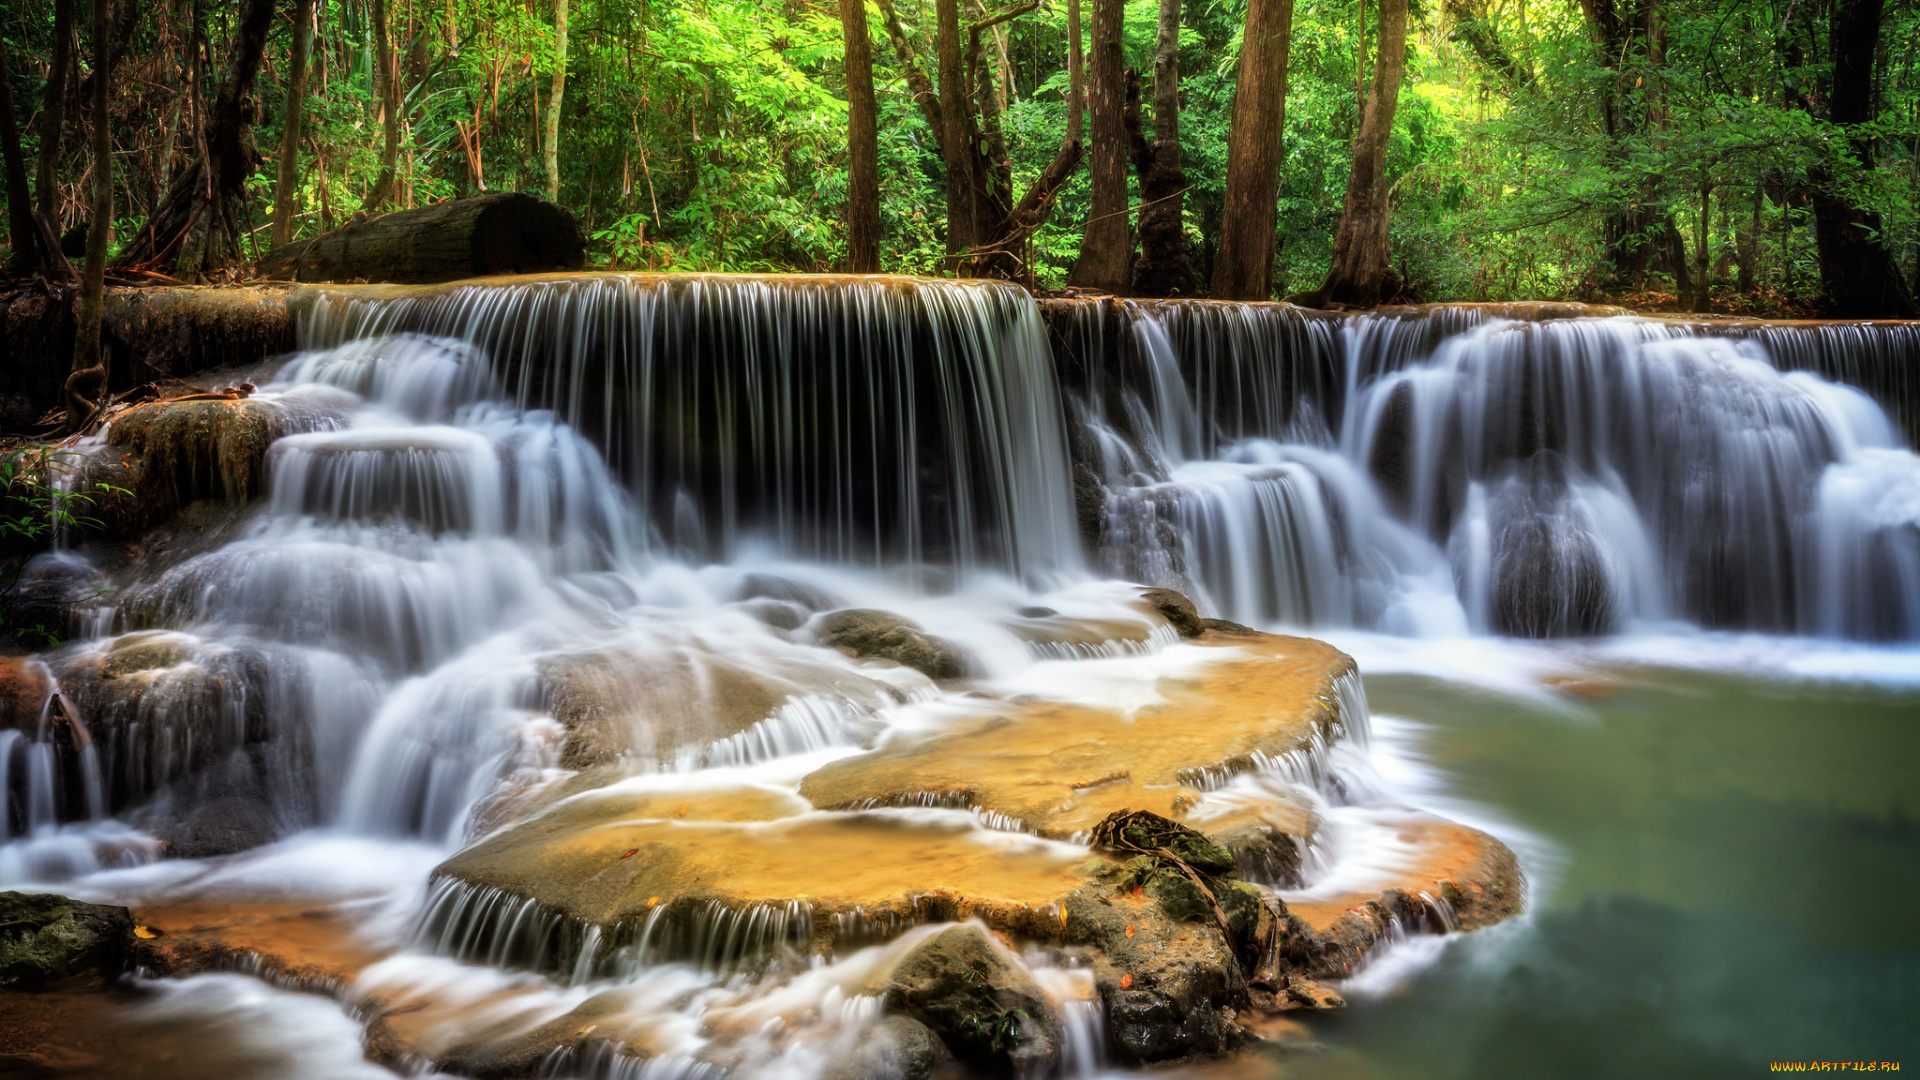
<point x="1722" y="870"/>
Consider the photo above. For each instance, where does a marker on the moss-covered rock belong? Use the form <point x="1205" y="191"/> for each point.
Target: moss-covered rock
<point x="47" y="939"/>
<point x="982" y="1004"/>
<point x="882" y="635"/>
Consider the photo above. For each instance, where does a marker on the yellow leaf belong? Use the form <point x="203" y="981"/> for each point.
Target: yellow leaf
<point x="653" y="901"/>
<point x="1129" y="929"/>
<point x="146" y="932"/>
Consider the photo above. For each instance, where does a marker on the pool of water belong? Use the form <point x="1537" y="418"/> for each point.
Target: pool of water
<point x="1725" y="872"/>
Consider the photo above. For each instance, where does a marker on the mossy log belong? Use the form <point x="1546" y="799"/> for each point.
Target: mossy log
<point x="503" y="233"/>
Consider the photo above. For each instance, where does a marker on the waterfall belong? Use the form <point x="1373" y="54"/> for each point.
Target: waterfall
<point x="864" y="421"/>
<point x="1431" y="473"/>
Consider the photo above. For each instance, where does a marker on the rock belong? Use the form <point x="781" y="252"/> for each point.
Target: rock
<point x="1058" y="768"/>
<point x="1176" y="609"/>
<point x="47" y="939"/>
<point x="725" y="877"/>
<point x="965" y="988"/>
<point x="219" y="826"/>
<point x="1551" y="575"/>
<point x="901" y="1049"/>
<point x="1170" y="988"/>
<point x="1307" y="994"/>
<point x="882" y="635"/>
<point x="1225" y="627"/>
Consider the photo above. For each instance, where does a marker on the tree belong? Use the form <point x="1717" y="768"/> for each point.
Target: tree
<point x="1162" y="268"/>
<point x="196" y="227"/>
<point x="1362" y="274"/>
<point x="1858" y="277"/>
<point x="863" y="144"/>
<point x="1106" y="247"/>
<point x="286" y="185"/>
<point x="22" y="234"/>
<point x="88" y="377"/>
<point x="53" y="109"/>
<point x="1243" y="270"/>
<point x="551" y="145"/>
<point x="986" y="227"/>
<point x="1639" y="232"/>
<point x="386" y="82"/>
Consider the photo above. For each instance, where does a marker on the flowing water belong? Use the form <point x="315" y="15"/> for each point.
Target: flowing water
<point x="522" y="536"/>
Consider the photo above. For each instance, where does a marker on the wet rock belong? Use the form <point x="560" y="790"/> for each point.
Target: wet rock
<point x="1225" y="627"/>
<point x="1177" y="610"/>
<point x="882" y="635"/>
<point x="763" y="586"/>
<point x="1551" y="576"/>
<point x="1171" y="988"/>
<point x="47" y="939"/>
<point x="221" y="826"/>
<point x="901" y="1049"/>
<point x="1058" y="768"/>
<point x="1307" y="994"/>
<point x="965" y="988"/>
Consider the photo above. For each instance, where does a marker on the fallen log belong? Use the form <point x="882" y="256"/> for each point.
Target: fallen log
<point x="503" y="233"/>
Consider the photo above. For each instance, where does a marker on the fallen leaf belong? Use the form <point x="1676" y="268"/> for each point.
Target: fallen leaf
<point x="1126" y="981"/>
<point x="629" y="853"/>
<point x="653" y="901"/>
<point x="146" y="932"/>
<point x="683" y="809"/>
<point x="1129" y="929"/>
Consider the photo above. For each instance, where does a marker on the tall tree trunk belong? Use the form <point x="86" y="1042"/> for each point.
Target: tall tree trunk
<point x="863" y="144"/>
<point x="1747" y="242"/>
<point x="956" y="141"/>
<point x="1163" y="268"/>
<point x="1106" y="246"/>
<point x="286" y="183"/>
<point x="1703" y="239"/>
<point x="386" y="84"/>
<point x="1243" y="269"/>
<point x="197" y="226"/>
<point x="1858" y="277"/>
<point x="1362" y="274"/>
<point x="551" y="148"/>
<point x="23" y="236"/>
<point x="53" y="110"/>
<point x="88" y="377"/>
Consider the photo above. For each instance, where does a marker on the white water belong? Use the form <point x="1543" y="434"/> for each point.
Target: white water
<point x="449" y="560"/>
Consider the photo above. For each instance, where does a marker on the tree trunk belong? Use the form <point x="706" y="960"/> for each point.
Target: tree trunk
<point x="1362" y="274"/>
<point x="89" y="375"/>
<point x="1703" y="238"/>
<point x="1106" y="246"/>
<point x="386" y="84"/>
<point x="863" y="144"/>
<point x="286" y="184"/>
<point x="53" y="110"/>
<point x="1748" y="243"/>
<point x="1243" y="269"/>
<point x="22" y="234"/>
<point x="1858" y="277"/>
<point x="956" y="142"/>
<point x="551" y="148"/>
<point x="1163" y="268"/>
<point x="501" y="233"/>
<point x="197" y="226"/>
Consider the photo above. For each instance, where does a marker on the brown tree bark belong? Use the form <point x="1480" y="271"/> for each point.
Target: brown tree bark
<point x="1858" y="276"/>
<point x="1243" y="269"/>
<point x="386" y="84"/>
<point x="286" y="182"/>
<point x="507" y="232"/>
<point x="1702" y="240"/>
<point x="1163" y="268"/>
<point x="1362" y="274"/>
<point x="551" y="145"/>
<point x="23" y="236"/>
<point x="1106" y="247"/>
<point x="863" y="143"/>
<point x="1002" y="225"/>
<point x="88" y="378"/>
<point x="956" y="136"/>
<point x="197" y="226"/>
<point x="1475" y="30"/>
<point x="1640" y="237"/>
<point x="53" y="110"/>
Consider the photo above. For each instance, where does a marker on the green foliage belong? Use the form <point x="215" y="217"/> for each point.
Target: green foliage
<point x="711" y="134"/>
<point x="40" y="505"/>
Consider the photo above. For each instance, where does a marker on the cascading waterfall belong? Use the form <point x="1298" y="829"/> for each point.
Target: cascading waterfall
<point x="1577" y="476"/>
<point x="573" y="532"/>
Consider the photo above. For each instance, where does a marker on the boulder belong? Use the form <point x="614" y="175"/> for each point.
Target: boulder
<point x="965" y="988"/>
<point x="882" y="635"/>
<point x="47" y="939"/>
<point x="901" y="1049"/>
<point x="1176" y="609"/>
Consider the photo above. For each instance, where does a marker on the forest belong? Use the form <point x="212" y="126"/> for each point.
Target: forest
<point x="1733" y="156"/>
